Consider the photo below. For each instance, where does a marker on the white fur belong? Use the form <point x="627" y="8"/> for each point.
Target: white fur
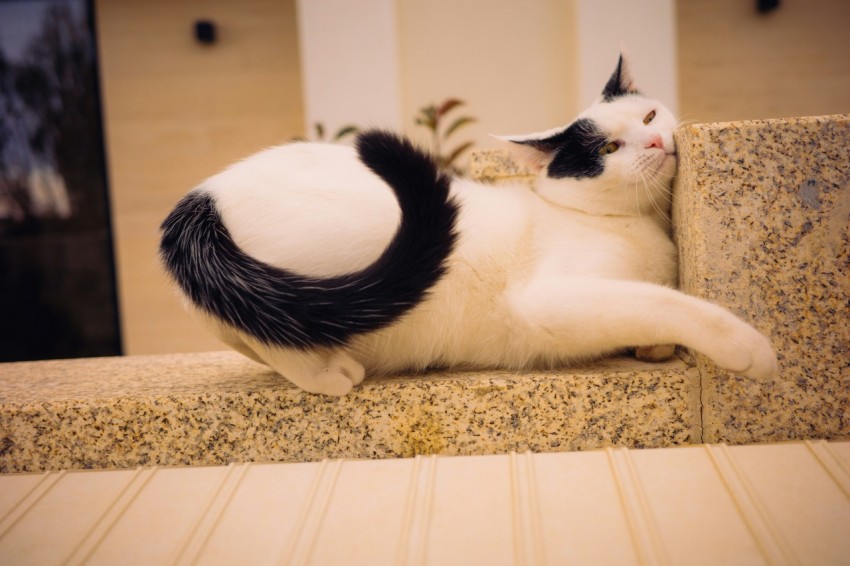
<point x="573" y="271"/>
<point x="312" y="208"/>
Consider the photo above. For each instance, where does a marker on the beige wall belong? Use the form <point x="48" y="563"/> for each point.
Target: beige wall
<point x="736" y="64"/>
<point x="514" y="66"/>
<point x="175" y="113"/>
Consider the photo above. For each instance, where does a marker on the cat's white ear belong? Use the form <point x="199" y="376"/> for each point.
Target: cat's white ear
<point x="621" y="81"/>
<point x="534" y="151"/>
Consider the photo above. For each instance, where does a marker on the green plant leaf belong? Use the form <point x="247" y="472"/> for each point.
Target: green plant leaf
<point x="346" y="131"/>
<point x="428" y="123"/>
<point x="320" y="130"/>
<point x="447" y="105"/>
<point x="457" y="153"/>
<point x="460" y="122"/>
<point x="428" y="117"/>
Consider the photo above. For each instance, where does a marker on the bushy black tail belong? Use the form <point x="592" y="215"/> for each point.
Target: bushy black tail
<point x="281" y="308"/>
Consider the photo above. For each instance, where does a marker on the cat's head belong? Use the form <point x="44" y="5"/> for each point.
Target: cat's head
<point x="617" y="157"/>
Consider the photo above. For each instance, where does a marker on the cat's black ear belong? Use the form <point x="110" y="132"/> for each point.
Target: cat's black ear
<point x="535" y="151"/>
<point x="621" y="82"/>
<point x="574" y="151"/>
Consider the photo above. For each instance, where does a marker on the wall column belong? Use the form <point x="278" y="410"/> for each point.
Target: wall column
<point x="647" y="31"/>
<point x="350" y="64"/>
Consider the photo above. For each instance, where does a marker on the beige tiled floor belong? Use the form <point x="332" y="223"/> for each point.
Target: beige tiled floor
<point x="710" y="504"/>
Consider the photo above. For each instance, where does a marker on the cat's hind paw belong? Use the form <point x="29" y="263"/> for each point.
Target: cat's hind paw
<point x="340" y="376"/>
<point x="348" y="366"/>
<point x="657" y="353"/>
<point x="322" y="372"/>
<point x="331" y="381"/>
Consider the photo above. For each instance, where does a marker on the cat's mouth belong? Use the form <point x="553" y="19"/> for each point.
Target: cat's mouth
<point x="665" y="154"/>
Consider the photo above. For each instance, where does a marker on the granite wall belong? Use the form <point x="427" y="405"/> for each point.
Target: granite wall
<point x="762" y="220"/>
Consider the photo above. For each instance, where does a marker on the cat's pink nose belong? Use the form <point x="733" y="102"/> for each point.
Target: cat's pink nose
<point x="655" y="141"/>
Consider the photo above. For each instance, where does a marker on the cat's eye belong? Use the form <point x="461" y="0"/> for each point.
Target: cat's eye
<point x="609" y="147"/>
<point x="649" y="117"/>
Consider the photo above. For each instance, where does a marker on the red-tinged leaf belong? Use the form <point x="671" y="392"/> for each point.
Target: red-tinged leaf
<point x="447" y="105"/>
<point x="460" y="122"/>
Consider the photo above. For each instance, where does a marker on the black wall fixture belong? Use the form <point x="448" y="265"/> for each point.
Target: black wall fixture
<point x="205" y="31"/>
<point x="766" y="6"/>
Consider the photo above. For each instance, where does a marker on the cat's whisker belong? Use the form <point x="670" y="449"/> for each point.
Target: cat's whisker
<point x="663" y="179"/>
<point x="651" y="187"/>
<point x="647" y="192"/>
<point x="637" y="202"/>
<point x="631" y="181"/>
<point x="686" y="120"/>
<point x="663" y="211"/>
<point x="662" y="186"/>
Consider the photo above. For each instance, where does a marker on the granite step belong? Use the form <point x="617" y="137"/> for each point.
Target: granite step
<point x="219" y="408"/>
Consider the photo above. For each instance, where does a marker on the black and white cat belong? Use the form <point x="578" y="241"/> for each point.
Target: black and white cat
<point x="329" y="263"/>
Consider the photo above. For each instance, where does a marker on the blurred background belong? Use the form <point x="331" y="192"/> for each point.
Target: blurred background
<point x="110" y="110"/>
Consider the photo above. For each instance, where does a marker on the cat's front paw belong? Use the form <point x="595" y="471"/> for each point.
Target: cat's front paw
<point x="749" y="353"/>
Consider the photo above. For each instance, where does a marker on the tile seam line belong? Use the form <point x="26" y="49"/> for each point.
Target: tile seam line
<point x="44" y="476"/>
<point x="403" y="548"/>
<point x="428" y="511"/>
<point x="291" y="544"/>
<point x="536" y="520"/>
<point x="133" y="487"/>
<point x="199" y="517"/>
<point x="322" y="511"/>
<point x="225" y="496"/>
<point x="758" y="520"/>
<point x="831" y="464"/>
<point x="525" y="513"/>
<point x="51" y="478"/>
<point x="702" y="408"/>
<point x="638" y="519"/>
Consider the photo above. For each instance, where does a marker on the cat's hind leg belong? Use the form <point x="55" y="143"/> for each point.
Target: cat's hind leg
<point x="323" y="370"/>
<point x="326" y="371"/>
<point x="230" y="337"/>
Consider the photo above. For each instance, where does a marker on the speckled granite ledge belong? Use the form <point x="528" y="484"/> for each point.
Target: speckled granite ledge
<point x="217" y="408"/>
<point x="497" y="166"/>
<point x="762" y="218"/>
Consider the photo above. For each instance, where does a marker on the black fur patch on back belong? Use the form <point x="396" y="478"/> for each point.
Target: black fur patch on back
<point x="278" y="307"/>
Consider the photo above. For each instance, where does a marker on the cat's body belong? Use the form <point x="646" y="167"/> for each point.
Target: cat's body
<point x="476" y="276"/>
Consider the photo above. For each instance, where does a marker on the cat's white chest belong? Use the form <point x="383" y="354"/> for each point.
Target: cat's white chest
<point x="577" y="245"/>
